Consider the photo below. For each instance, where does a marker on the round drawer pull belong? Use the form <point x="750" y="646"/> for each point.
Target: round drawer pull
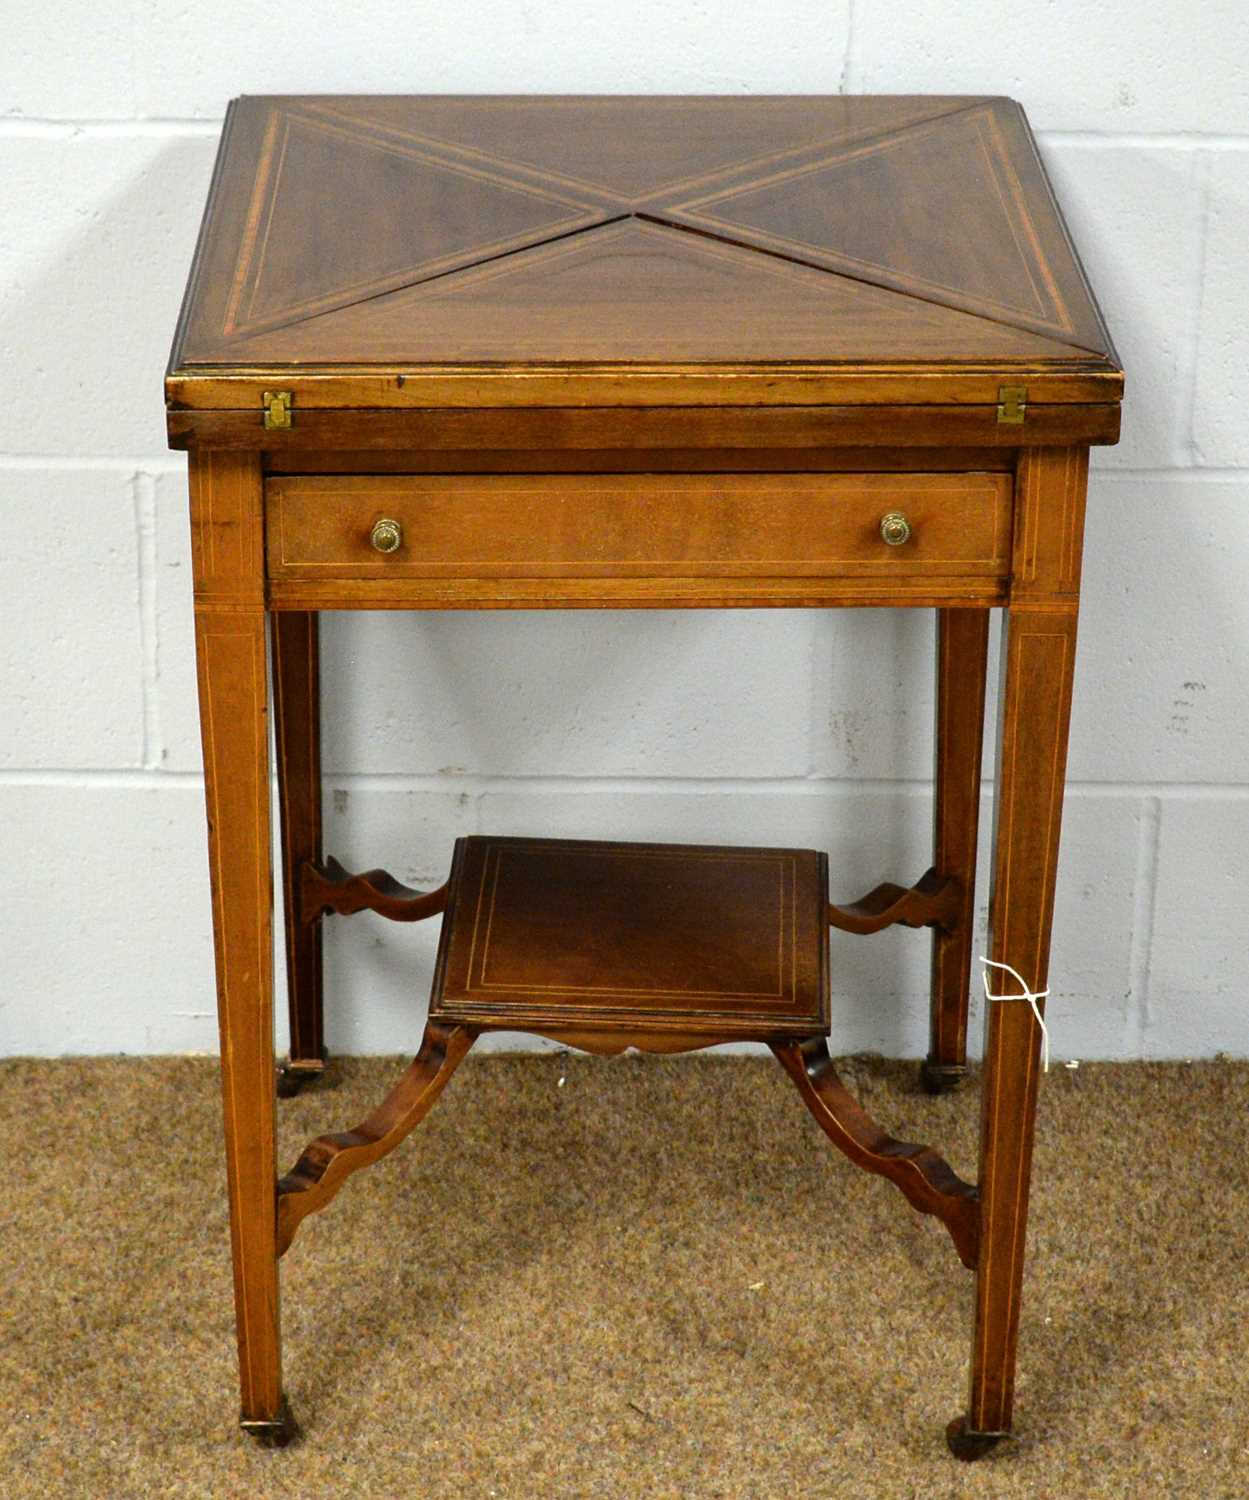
<point x="895" y="528"/>
<point x="387" y="535"/>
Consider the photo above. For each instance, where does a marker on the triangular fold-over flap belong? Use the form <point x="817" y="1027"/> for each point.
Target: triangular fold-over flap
<point x="629" y="152"/>
<point x="953" y="210"/>
<point x="638" y="291"/>
<point x="320" y="180"/>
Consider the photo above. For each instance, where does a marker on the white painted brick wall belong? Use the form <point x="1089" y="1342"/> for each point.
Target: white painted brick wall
<point x="763" y="727"/>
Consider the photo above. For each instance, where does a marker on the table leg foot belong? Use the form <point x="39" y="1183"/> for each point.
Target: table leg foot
<point x="272" y="1432"/>
<point x="968" y="1445"/>
<point x="293" y="1077"/>
<point x="941" y="1078"/>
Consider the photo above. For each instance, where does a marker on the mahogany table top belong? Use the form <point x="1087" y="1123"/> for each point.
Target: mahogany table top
<point x="369" y="252"/>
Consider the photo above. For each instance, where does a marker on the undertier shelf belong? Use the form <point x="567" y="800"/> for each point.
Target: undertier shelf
<point x="557" y="935"/>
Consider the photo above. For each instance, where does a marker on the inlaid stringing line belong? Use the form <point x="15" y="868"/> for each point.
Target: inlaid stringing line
<point x="1049" y="866"/>
<point x="353" y="293"/>
<point x="1061" y="319"/>
<point x="236" y="1133"/>
<point x="261" y="202"/>
<point x="491" y="873"/>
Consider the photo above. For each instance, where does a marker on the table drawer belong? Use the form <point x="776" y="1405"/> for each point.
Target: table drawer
<point x="957" y="526"/>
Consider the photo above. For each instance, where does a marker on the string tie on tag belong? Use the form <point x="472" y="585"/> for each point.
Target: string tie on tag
<point x="1031" y="996"/>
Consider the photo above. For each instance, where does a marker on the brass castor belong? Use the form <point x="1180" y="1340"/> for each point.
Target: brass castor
<point x="968" y="1445"/>
<point x="941" y="1078"/>
<point x="272" y="1432"/>
<point x="295" y="1076"/>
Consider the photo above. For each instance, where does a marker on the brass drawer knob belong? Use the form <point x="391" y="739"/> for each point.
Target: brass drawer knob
<point x="387" y="535"/>
<point x="895" y="528"/>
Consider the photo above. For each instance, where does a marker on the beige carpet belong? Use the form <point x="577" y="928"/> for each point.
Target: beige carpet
<point x="655" y="1278"/>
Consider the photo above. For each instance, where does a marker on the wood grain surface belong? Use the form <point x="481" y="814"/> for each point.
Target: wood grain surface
<point x="226" y="503"/>
<point x="621" y="526"/>
<point x="552" y="934"/>
<point x="531" y="250"/>
<point x="644" y="353"/>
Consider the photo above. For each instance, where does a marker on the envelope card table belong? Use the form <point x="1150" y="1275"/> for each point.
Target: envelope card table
<point x="653" y="353"/>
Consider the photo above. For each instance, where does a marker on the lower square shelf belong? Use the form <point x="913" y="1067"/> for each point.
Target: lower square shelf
<point x="565" y="936"/>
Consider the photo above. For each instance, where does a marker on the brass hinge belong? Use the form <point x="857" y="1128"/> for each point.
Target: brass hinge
<point x="1012" y="402"/>
<point x="277" y="405"/>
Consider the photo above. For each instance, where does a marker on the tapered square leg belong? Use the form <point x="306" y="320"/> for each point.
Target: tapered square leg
<point x="1038" y="660"/>
<point x="962" y="660"/>
<point x="297" y="722"/>
<point x="230" y="647"/>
